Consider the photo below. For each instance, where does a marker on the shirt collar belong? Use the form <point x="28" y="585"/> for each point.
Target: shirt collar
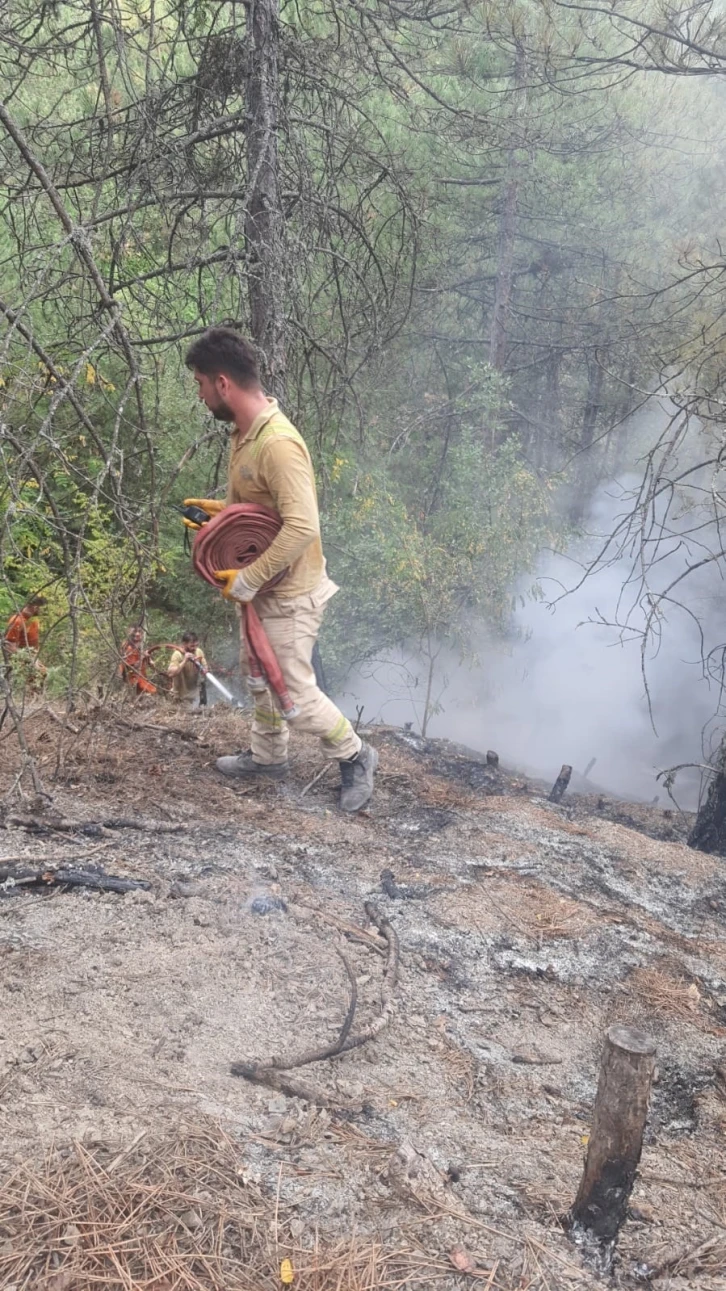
<point x="260" y="420"/>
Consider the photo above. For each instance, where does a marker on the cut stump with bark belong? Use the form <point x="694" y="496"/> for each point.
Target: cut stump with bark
<point x="560" y="785"/>
<point x="616" y="1136"/>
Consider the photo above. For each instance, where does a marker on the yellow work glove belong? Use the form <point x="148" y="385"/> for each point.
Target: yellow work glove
<point x="211" y="505"/>
<point x="235" y="588"/>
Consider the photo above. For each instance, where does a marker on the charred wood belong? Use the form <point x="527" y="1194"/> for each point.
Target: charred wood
<point x="559" y="787"/>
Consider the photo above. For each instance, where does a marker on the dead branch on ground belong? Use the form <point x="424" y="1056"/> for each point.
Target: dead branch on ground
<point x="267" y="1073"/>
<point x="13" y="880"/>
<point x="370" y="939"/>
<point x="92" y="828"/>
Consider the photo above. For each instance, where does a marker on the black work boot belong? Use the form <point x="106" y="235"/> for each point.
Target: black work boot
<point x="356" y="779"/>
<point x="243" y="764"/>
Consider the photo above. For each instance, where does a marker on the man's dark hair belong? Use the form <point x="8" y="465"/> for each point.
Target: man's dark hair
<point x="36" y="603"/>
<point x="189" y="636"/>
<point x="220" y="351"/>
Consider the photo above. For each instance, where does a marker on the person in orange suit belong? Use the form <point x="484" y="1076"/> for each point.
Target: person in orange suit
<point x="23" y="633"/>
<point x="23" y="629"/>
<point x="135" y="661"/>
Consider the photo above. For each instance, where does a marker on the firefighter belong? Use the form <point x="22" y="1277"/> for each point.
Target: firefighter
<point x="187" y="668"/>
<point x="135" y="661"/>
<point x="270" y="465"/>
<point x="23" y="633"/>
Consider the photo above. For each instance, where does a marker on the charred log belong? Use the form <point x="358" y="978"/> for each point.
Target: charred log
<point x="14" y="881"/>
<point x="709" y="829"/>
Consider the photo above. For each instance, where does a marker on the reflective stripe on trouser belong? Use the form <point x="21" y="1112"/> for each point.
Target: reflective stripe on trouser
<point x="292" y="628"/>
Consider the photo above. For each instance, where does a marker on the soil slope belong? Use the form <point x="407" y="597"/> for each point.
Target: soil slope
<point x="525" y="929"/>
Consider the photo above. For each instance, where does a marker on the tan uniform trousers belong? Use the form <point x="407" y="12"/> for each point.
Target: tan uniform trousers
<point x="185" y="686"/>
<point x="292" y="626"/>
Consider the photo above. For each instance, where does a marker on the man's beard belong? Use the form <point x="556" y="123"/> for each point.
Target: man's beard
<point x="222" y="411"/>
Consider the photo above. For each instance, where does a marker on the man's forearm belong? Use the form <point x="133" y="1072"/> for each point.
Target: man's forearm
<point x="287" y="547"/>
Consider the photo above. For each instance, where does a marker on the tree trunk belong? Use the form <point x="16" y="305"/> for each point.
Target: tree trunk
<point x="593" y="402"/>
<point x="618" y="443"/>
<point x="591" y="458"/>
<point x="264" y="224"/>
<point x="507" y="232"/>
<point x="505" y="270"/>
<point x="586" y="467"/>
<point x="549" y="431"/>
<point x="709" y="829"/>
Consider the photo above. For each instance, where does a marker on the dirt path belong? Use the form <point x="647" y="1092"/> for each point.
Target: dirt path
<point x="525" y="930"/>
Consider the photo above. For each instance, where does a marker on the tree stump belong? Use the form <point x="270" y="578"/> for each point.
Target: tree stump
<point x="560" y="784"/>
<point x="616" y="1136"/>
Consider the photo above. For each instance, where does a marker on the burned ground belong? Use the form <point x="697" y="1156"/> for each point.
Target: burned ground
<point x="525" y="930"/>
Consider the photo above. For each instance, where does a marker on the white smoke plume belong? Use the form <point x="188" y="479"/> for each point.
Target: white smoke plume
<point x="568" y="688"/>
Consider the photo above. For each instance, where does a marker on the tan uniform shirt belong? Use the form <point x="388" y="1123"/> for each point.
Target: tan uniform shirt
<point x="186" y="682"/>
<point x="271" y="467"/>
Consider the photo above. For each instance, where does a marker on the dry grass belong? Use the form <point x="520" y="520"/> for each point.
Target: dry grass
<point x="642" y="851"/>
<point x="663" y="994"/>
<point x="172" y="1215"/>
<point x="462" y="1065"/>
<point x="432" y="791"/>
<point x="520" y="905"/>
<point x="548" y="915"/>
<point x="704" y="1259"/>
<point x="425" y="786"/>
<point x="531" y="815"/>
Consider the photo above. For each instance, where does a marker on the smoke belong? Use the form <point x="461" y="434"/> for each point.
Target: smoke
<point x="567" y="687"/>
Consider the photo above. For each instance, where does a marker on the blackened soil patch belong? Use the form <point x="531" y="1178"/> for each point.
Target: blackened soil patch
<point x="674" y="1100"/>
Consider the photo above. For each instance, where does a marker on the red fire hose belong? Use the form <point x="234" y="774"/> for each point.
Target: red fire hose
<point x="231" y="540"/>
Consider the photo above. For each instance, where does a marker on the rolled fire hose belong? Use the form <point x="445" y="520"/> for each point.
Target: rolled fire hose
<point x="233" y="539"/>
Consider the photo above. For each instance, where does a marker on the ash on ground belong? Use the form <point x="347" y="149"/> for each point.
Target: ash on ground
<point x="526" y="929"/>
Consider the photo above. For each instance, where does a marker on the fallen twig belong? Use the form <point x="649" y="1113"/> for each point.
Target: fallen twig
<point x="317" y="1055"/>
<point x="388" y="985"/>
<point x="63" y="722"/>
<point x="689" y="1261"/>
<point x="25" y="858"/>
<point x="190" y="736"/>
<point x="316" y="778"/>
<point x="93" y="828"/>
<point x="126" y="1151"/>
<point x="13" y="879"/>
<point x="146" y="826"/>
<point x="292" y="1087"/>
<point x="370" y="939"/>
<point x="267" y="1073"/>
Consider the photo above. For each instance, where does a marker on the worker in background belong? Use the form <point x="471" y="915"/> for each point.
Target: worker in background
<point x="135" y="661"/>
<point x="186" y="669"/>
<point x="270" y="465"/>
<point x="23" y="633"/>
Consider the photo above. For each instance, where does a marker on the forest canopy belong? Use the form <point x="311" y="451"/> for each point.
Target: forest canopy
<point x="470" y="241"/>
